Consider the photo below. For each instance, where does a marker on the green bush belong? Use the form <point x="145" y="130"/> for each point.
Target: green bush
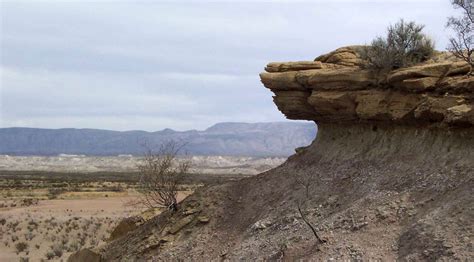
<point x="404" y="45"/>
<point x="53" y="193"/>
<point x="58" y="250"/>
<point x="50" y="255"/>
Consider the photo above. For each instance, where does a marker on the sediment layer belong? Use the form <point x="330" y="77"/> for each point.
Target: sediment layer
<point x="378" y="193"/>
<point x="337" y="87"/>
<point x="391" y="171"/>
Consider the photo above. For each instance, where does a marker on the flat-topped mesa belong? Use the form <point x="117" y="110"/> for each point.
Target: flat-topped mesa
<point x="337" y="88"/>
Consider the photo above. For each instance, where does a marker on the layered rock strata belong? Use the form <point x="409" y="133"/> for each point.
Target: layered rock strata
<point x="390" y="175"/>
<point x="337" y="87"/>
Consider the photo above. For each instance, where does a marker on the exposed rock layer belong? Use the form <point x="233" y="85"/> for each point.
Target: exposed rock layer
<point x="379" y="193"/>
<point x="392" y="172"/>
<point x="337" y="87"/>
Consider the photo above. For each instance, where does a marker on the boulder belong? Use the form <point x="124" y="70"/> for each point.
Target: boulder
<point x="460" y="115"/>
<point x="124" y="226"/>
<point x="346" y="56"/>
<point x="85" y="255"/>
<point x="437" y="70"/>
<point x="180" y="224"/>
<point x="419" y="84"/>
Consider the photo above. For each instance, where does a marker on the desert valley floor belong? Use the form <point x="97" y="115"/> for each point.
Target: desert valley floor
<point x="51" y="207"/>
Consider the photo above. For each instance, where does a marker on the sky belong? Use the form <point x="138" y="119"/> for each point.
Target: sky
<point x="150" y="65"/>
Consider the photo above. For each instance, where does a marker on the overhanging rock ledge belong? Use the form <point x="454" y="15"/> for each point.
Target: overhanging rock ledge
<point x="337" y="87"/>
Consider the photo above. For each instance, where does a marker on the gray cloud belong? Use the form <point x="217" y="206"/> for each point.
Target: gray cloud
<point x="150" y="65"/>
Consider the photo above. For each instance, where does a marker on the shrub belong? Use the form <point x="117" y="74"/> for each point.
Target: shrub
<point x="58" y="250"/>
<point x="21" y="246"/>
<point x="50" y="255"/>
<point x="29" y="236"/>
<point x="53" y="193"/>
<point x="73" y="246"/>
<point x="404" y="45"/>
<point x="160" y="175"/>
<point x="14" y="238"/>
<point x="462" y="44"/>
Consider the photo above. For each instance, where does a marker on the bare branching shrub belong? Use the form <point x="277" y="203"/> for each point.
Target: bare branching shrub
<point x="404" y="45"/>
<point x="306" y="181"/>
<point x="161" y="173"/>
<point x="462" y="44"/>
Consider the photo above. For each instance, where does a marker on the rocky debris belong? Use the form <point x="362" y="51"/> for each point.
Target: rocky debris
<point x="421" y="236"/>
<point x="261" y="224"/>
<point x="203" y="219"/>
<point x="85" y="255"/>
<point x="392" y="168"/>
<point x="189" y="215"/>
<point x="23" y="202"/>
<point x="180" y="224"/>
<point x="191" y="211"/>
<point x="150" y="213"/>
<point x="126" y="225"/>
<point x="26" y="202"/>
<point x="430" y="93"/>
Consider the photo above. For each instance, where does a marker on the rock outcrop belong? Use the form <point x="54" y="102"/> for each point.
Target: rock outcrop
<point x="390" y="175"/>
<point x="337" y="87"/>
<point x="85" y="255"/>
<point x="126" y="225"/>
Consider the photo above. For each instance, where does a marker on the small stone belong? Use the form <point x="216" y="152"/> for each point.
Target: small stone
<point x="165" y="239"/>
<point x="190" y="211"/>
<point x="203" y="219"/>
<point x="261" y="224"/>
<point x="180" y="224"/>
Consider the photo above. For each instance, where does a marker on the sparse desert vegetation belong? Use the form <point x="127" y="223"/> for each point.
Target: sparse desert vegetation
<point x="110" y="150"/>
<point x="49" y="215"/>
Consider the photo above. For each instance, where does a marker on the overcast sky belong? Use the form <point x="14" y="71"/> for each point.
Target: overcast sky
<point x="127" y="65"/>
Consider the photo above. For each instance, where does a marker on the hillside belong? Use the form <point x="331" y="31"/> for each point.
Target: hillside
<point x="231" y="139"/>
<point x="389" y="177"/>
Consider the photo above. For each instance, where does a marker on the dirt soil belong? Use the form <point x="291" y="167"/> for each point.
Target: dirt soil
<point x="54" y="229"/>
<point x="373" y="193"/>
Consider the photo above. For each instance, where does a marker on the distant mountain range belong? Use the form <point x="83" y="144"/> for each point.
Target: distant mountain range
<point x="231" y="139"/>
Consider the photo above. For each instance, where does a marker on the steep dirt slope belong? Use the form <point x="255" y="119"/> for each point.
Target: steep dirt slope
<point x="392" y="172"/>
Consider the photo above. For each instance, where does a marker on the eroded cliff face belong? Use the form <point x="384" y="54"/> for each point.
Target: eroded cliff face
<point x="337" y="88"/>
<point x="391" y="171"/>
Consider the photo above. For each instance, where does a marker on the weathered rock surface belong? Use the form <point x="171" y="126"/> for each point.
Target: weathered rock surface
<point x="126" y="225"/>
<point x="391" y="175"/>
<point x="85" y="255"/>
<point x="338" y="88"/>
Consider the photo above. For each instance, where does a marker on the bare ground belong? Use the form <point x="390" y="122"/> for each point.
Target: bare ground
<point x="53" y="229"/>
<point x="383" y="193"/>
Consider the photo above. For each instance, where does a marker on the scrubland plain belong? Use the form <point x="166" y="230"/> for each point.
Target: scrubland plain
<point x="47" y="215"/>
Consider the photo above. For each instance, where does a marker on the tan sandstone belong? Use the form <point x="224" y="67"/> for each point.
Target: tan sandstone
<point x="337" y="87"/>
